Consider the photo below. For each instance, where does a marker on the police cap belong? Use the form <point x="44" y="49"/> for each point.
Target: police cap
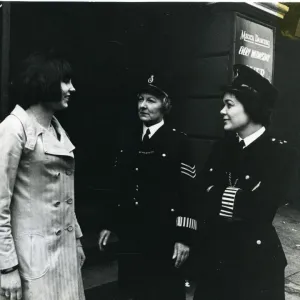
<point x="152" y="87"/>
<point x="248" y="80"/>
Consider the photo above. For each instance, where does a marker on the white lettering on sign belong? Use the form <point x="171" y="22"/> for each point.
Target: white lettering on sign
<point x="247" y="37"/>
<point x="260" y="55"/>
<point x="254" y="39"/>
<point x="244" y="51"/>
<point x="258" y="70"/>
<point x="262" y="42"/>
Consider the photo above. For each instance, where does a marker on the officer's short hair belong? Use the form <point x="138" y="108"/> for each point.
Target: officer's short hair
<point x="255" y="92"/>
<point x="41" y="77"/>
<point x="255" y="108"/>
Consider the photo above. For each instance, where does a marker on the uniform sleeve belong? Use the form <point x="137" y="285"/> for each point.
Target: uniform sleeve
<point x="260" y="202"/>
<point x="11" y="144"/>
<point x="118" y="176"/>
<point x="212" y="185"/>
<point x="186" y="221"/>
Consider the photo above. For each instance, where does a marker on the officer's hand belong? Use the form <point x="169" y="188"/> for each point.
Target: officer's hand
<point x="104" y="236"/>
<point x="11" y="287"/>
<point x="181" y="253"/>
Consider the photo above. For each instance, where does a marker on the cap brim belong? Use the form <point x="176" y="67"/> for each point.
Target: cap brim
<point x="153" y="90"/>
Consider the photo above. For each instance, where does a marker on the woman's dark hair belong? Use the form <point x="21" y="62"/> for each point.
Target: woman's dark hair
<point x="41" y="77"/>
<point x="257" y="108"/>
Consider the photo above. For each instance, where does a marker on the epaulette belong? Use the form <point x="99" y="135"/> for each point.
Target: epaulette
<point x="181" y="132"/>
<point x="278" y="141"/>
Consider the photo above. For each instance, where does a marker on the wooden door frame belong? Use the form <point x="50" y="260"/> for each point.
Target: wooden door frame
<point x="5" y="60"/>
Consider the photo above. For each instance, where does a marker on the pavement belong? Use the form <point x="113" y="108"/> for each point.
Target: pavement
<point x="100" y="277"/>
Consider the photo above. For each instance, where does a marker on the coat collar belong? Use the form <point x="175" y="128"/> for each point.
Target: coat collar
<point x="33" y="129"/>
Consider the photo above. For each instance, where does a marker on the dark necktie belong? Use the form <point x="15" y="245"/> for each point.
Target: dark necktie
<point x="146" y="136"/>
<point x="241" y="144"/>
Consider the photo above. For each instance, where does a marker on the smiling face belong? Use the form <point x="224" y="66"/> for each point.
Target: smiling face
<point x="234" y="116"/>
<point x="150" y="109"/>
<point x="66" y="89"/>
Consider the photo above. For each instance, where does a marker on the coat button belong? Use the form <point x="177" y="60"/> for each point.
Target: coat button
<point x="70" y="228"/>
<point x="136" y="169"/>
<point x="58" y="232"/>
<point x="258" y="242"/>
<point x="119" y="205"/>
<point x="172" y="209"/>
<point x="70" y="201"/>
<point x="247" y="177"/>
<point x="211" y="169"/>
<point x="56" y="204"/>
<point x="164" y="155"/>
<point x="121" y="150"/>
<point x="69" y="172"/>
<point x="136" y="203"/>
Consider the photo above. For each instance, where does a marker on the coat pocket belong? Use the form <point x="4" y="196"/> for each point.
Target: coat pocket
<point x="33" y="255"/>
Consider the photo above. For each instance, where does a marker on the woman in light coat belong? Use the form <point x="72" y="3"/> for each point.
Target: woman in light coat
<point x="40" y="250"/>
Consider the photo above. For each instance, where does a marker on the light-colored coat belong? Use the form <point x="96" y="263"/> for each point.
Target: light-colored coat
<point x="38" y="226"/>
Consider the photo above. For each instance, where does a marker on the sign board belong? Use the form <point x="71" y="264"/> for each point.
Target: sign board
<point x="254" y="46"/>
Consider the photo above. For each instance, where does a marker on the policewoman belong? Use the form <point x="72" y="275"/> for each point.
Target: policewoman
<point x="246" y="178"/>
<point x="156" y="202"/>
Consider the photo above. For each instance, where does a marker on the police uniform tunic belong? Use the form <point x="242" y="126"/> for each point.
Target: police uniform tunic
<point x="242" y="189"/>
<point x="155" y="192"/>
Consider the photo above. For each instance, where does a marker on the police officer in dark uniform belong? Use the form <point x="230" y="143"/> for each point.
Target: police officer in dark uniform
<point x="155" y="213"/>
<point x="246" y="178"/>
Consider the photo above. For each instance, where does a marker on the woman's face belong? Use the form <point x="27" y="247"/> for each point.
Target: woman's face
<point x="234" y="116"/>
<point x="66" y="89"/>
<point x="150" y="109"/>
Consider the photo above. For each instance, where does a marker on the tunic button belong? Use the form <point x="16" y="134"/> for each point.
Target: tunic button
<point x="211" y="169"/>
<point x="119" y="205"/>
<point x="172" y="209"/>
<point x="258" y="242"/>
<point x="174" y="129"/>
<point x="70" y="228"/>
<point x="136" y="169"/>
<point x="58" y="232"/>
<point x="69" y="172"/>
<point x="136" y="203"/>
<point x="247" y="177"/>
<point x="164" y="155"/>
<point x="70" y="201"/>
<point x="121" y="150"/>
<point x="273" y="139"/>
<point x="56" y="204"/>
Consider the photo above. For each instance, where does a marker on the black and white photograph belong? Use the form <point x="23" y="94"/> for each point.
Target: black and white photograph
<point x="149" y="150"/>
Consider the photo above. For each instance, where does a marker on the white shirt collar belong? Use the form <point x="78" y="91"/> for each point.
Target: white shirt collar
<point x="252" y="137"/>
<point x="152" y="128"/>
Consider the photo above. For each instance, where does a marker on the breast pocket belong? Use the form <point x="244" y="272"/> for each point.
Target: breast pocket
<point x="33" y="255"/>
<point x="250" y="181"/>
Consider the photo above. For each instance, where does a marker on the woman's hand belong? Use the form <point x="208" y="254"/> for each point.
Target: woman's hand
<point x="181" y="253"/>
<point x="11" y="287"/>
<point x="80" y="253"/>
<point x="104" y="236"/>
